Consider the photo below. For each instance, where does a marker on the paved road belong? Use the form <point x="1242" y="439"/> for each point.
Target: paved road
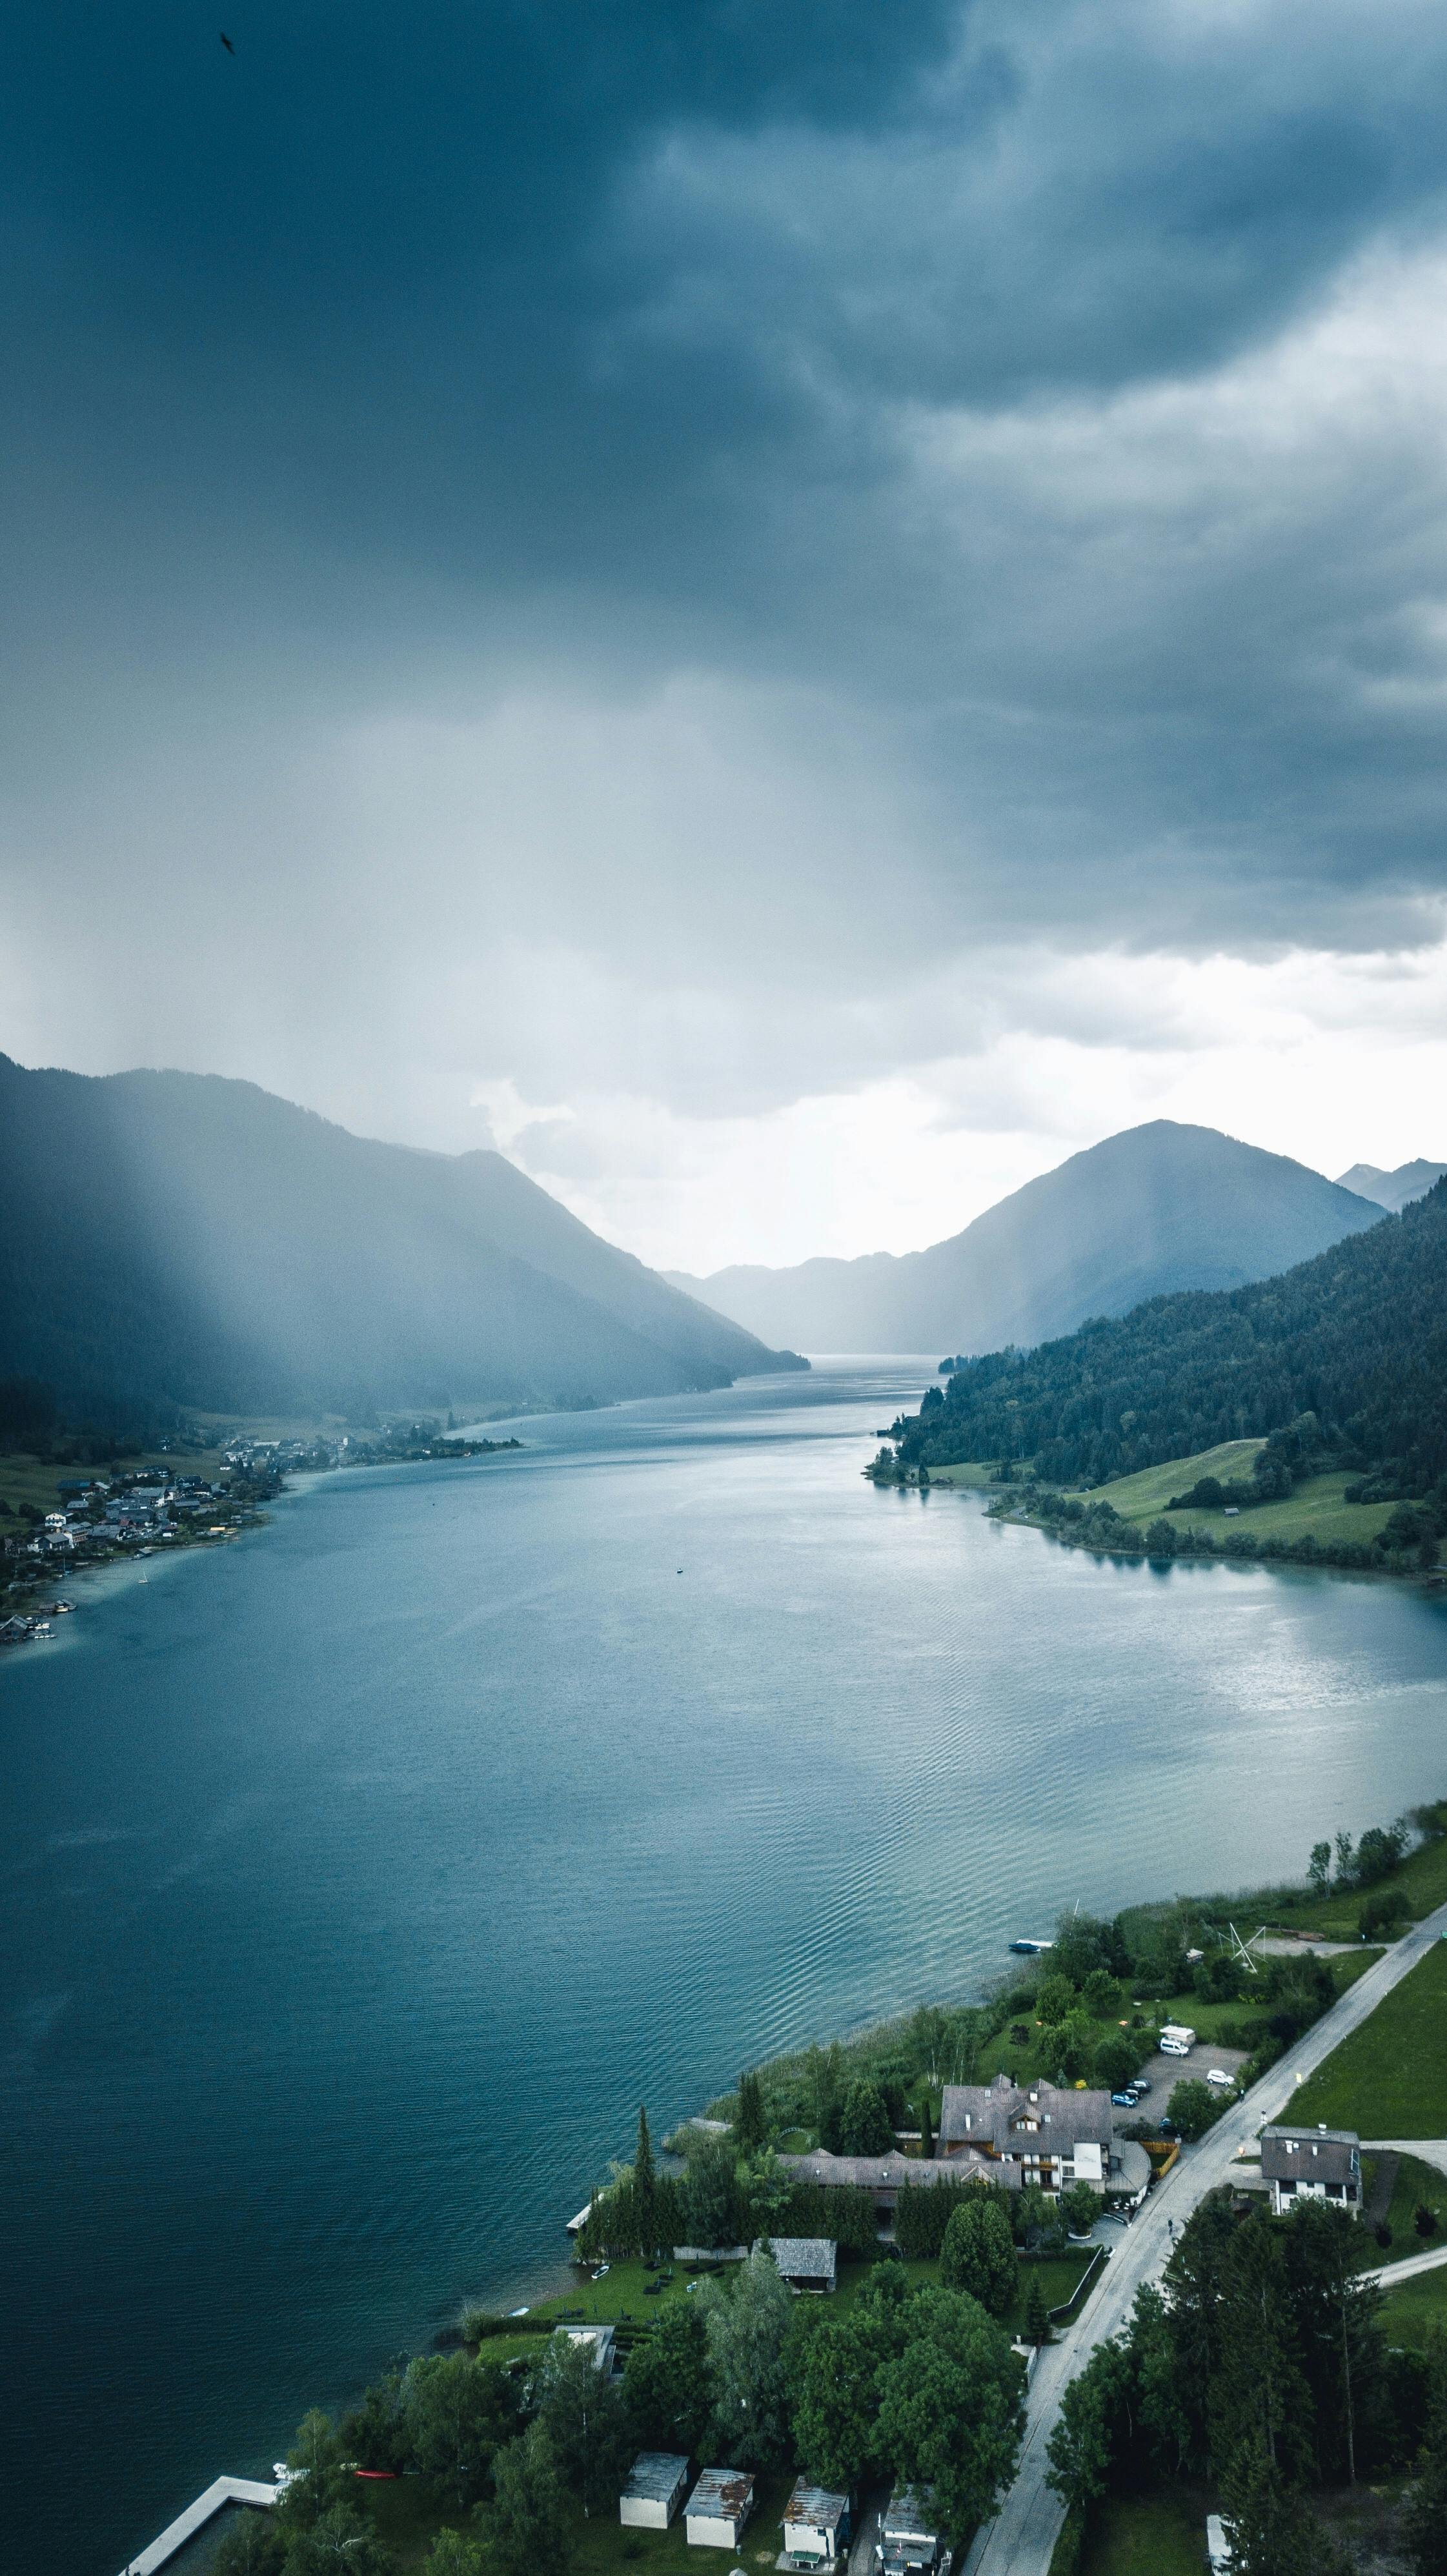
<point x="1407" y="2270"/>
<point x="1020" y="2540"/>
<point x="1428" y="2151"/>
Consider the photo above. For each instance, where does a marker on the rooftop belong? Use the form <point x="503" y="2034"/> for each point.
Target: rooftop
<point x="1003" y="2115"/>
<point x="657" y="2475"/>
<point x="816" y="2507"/>
<point x="1309" y="2155"/>
<point x="722" y="2492"/>
<point x="807" y="2258"/>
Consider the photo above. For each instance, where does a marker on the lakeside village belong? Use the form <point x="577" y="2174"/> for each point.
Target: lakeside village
<point x="100" y="1519"/>
<point x="807" y="2332"/>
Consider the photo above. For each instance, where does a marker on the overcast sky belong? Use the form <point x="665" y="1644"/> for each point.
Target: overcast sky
<point x="790" y="608"/>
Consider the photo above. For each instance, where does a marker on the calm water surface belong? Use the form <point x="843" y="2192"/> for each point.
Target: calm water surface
<point x="361" y="1879"/>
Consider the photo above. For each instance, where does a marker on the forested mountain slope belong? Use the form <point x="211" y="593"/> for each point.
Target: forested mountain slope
<point x="1157" y="1208"/>
<point x="1357" y="1337"/>
<point x="175" y="1240"/>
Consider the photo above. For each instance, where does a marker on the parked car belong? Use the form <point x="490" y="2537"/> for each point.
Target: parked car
<point x="1140" y="2086"/>
<point x="1126" y="2101"/>
<point x="1218" y="2076"/>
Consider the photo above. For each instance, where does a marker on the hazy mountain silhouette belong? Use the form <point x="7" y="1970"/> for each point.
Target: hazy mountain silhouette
<point x="1157" y="1208"/>
<point x="1392" y="1189"/>
<point x="177" y="1239"/>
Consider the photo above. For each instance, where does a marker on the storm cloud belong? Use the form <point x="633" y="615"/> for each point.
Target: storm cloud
<point x="714" y="585"/>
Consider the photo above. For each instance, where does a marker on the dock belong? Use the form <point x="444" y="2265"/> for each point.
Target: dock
<point x="221" y="2491"/>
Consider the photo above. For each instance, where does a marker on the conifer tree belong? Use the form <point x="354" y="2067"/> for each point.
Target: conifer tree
<point x="750" y="2123"/>
<point x="645" y="2197"/>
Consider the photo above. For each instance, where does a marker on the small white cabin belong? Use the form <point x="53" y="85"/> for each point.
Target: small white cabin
<point x="656" y="2483"/>
<point x="718" y="2509"/>
<point x="816" y="2527"/>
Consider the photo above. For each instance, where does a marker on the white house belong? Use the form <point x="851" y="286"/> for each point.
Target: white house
<point x="718" y="2509"/>
<point x="1312" y="2164"/>
<point x="654" y="2491"/>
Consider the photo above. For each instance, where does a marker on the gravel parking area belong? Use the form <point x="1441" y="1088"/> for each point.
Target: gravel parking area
<point x="1162" y="2073"/>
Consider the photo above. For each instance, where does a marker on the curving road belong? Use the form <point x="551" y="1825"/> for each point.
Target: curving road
<point x="1020" y="2540"/>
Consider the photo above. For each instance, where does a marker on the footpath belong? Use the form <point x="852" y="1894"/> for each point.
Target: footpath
<point x="1021" y="2539"/>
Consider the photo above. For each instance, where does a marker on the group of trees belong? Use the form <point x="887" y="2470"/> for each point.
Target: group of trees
<point x="914" y="2384"/>
<point x="1264" y="2368"/>
<point x="1356" y="1337"/>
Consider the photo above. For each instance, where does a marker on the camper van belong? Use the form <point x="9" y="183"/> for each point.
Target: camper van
<point x="1176" y="2040"/>
<point x="908" y="2543"/>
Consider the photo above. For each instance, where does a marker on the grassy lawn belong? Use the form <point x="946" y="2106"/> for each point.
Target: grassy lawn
<point x="1411" y="2314"/>
<point x="1155" y="2535"/>
<point x="1389" y="2079"/>
<point x="1317" y="1506"/>
<point x="1416" y="2183"/>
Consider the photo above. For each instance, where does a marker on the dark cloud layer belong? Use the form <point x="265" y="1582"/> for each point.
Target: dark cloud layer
<point x="982" y="469"/>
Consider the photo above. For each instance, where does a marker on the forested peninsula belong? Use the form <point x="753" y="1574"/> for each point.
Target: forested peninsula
<point x="1350" y="1349"/>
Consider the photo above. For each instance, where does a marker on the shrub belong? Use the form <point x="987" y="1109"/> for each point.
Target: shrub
<point x="1082" y="2207"/>
<point x="1424" y="2219"/>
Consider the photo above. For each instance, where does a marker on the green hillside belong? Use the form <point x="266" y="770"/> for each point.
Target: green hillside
<point x="1316" y="1507"/>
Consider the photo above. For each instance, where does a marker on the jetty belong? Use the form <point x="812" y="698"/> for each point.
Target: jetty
<point x="186" y="2525"/>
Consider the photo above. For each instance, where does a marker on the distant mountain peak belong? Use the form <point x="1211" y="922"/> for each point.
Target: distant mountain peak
<point x="1158" y="1207"/>
<point x="1392" y="1190"/>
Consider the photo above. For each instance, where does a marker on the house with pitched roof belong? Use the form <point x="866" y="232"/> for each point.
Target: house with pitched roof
<point x="1312" y="2164"/>
<point x="1047" y="2134"/>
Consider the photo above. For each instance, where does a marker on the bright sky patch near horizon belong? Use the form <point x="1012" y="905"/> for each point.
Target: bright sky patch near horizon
<point x="792" y="614"/>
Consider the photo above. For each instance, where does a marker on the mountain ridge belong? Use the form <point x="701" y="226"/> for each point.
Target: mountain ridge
<point x="1156" y="1208"/>
<point x="177" y="1239"/>
<point x="1392" y="1190"/>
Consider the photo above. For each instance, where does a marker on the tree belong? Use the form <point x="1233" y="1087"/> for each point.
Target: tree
<point x="864" y="2128"/>
<point x="375" y="2434"/>
<point x="527" y="2532"/>
<point x="322" y="2477"/>
<point x="666" y="2381"/>
<point x="834" y="2372"/>
<point x="458" y="2413"/>
<point x="1319" y="1868"/>
<point x="645" y="2188"/>
<point x="710" y="2193"/>
<point x="746" y="2326"/>
<point x="1425" y="2527"/>
<point x="1336" y="2316"/>
<point x="252" y="2547"/>
<point x="1082" y="2207"/>
<point x="950" y="2411"/>
<point x="1271" y="2530"/>
<point x="1101" y="1993"/>
<point x="585" y="2419"/>
<point x="1055" y="1997"/>
<point x="1087" y="2433"/>
<point x="1258" y="2397"/>
<point x="339" y="2543"/>
<point x="1115" y="2063"/>
<point x="1037" y="2321"/>
<point x="926" y="2126"/>
<point x="453" y="2554"/>
<point x="1192" y="2107"/>
<point x="978" y="2254"/>
<point x="1161" y="1537"/>
<point x="751" y="2127"/>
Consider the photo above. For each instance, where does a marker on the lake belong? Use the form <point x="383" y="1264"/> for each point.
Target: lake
<point x="362" y="1877"/>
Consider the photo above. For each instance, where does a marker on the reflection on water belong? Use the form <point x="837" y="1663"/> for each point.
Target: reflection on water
<point x="363" y="1879"/>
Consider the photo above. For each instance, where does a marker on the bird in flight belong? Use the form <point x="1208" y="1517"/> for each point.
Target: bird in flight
<point x="226" y="40"/>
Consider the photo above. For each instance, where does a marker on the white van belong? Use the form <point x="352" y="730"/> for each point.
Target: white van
<point x="1176" y="2040"/>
